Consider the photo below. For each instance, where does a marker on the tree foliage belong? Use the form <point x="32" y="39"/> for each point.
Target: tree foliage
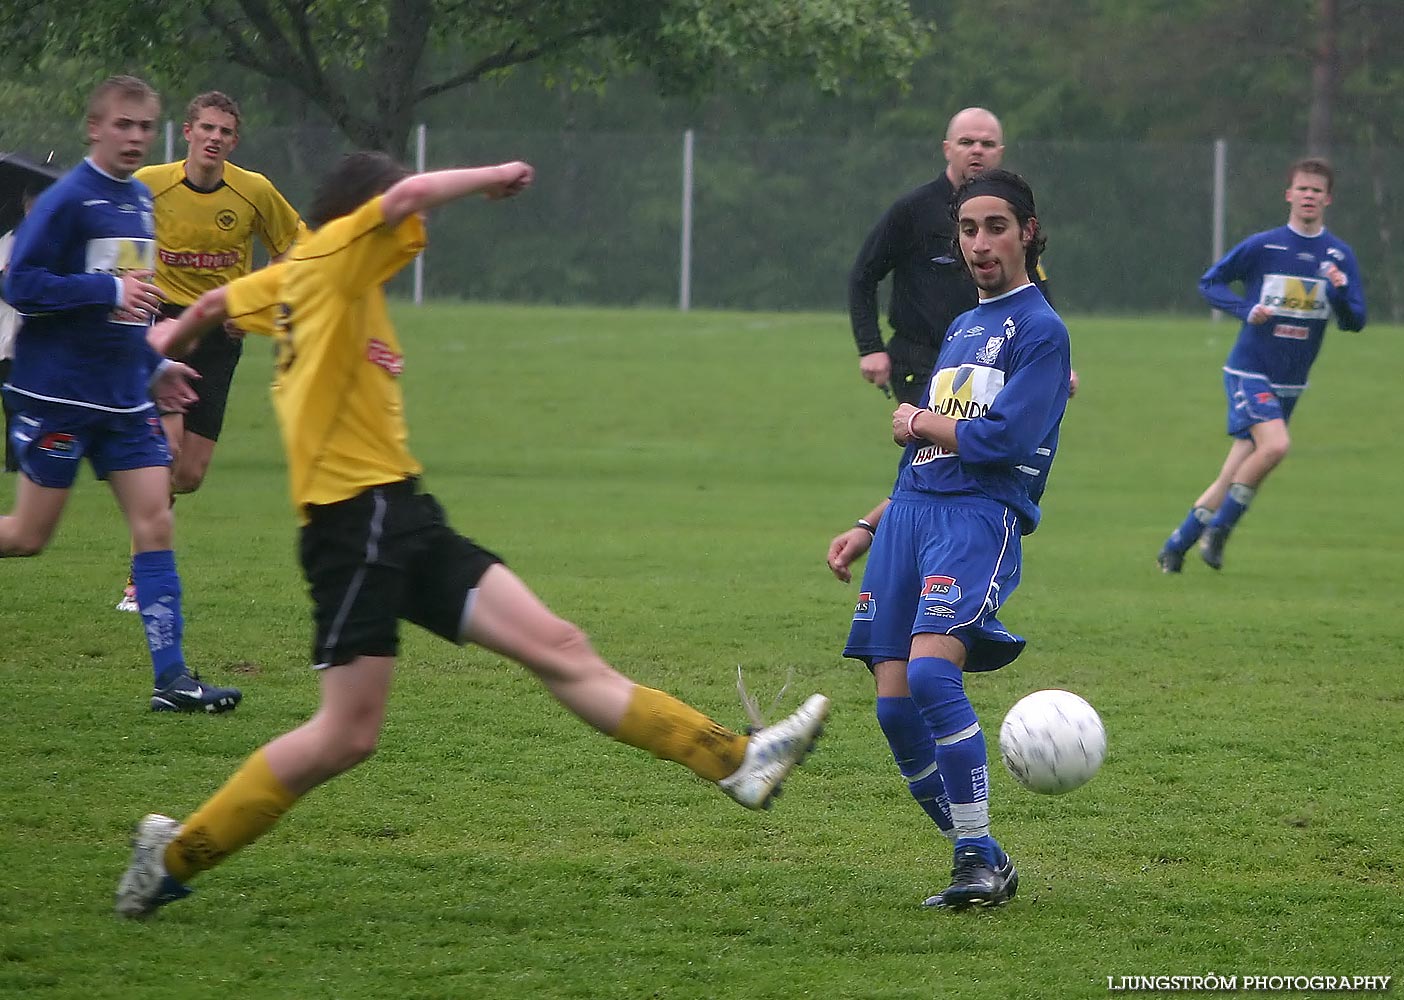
<point x="368" y="64"/>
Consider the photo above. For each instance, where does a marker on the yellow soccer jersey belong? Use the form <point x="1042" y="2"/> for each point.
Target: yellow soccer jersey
<point x="336" y="391"/>
<point x="205" y="238"/>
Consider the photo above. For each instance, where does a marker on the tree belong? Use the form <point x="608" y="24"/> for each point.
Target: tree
<point x="365" y="63"/>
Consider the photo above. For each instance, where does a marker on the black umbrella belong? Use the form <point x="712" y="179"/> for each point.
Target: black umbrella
<point x="19" y="174"/>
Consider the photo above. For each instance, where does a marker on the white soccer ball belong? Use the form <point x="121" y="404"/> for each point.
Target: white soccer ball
<point x="1052" y="742"/>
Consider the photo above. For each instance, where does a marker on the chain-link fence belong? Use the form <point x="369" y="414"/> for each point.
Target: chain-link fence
<point x="775" y="223"/>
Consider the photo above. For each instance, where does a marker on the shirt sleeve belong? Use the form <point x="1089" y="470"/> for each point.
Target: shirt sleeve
<point x="1019" y="419"/>
<point x="1348" y="301"/>
<point x="253" y="303"/>
<point x="875" y="261"/>
<point x="35" y="281"/>
<point x="1215" y="283"/>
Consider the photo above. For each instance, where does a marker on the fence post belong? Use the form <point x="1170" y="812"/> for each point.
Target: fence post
<point x="419" y="144"/>
<point x="1220" y="202"/>
<point x="170" y="141"/>
<point x="685" y="251"/>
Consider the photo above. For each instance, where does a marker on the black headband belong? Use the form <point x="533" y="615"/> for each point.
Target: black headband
<point x="1021" y="199"/>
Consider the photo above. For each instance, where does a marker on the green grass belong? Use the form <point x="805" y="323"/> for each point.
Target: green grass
<point x="671" y="482"/>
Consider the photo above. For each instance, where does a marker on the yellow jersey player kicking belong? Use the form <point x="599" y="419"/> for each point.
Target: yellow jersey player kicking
<point x="377" y="550"/>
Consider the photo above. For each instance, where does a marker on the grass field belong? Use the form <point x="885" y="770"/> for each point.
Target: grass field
<point x="671" y="482"/>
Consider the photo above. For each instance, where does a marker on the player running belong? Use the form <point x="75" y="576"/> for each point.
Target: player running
<point x="1295" y="278"/>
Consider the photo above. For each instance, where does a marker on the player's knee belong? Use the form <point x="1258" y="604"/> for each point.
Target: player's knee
<point x="1276" y="450"/>
<point x="24" y="544"/>
<point x="567" y="642"/>
<point x="186" y="480"/>
<point x="353" y="741"/>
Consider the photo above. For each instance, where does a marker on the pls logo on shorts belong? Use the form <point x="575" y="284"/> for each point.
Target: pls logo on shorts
<point x="866" y="608"/>
<point x="941" y="589"/>
<point x="58" y="444"/>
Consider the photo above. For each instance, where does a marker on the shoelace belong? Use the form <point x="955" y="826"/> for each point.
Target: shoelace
<point x="752" y="706"/>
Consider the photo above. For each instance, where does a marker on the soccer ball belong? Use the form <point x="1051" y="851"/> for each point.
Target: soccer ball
<point x="1052" y="742"/>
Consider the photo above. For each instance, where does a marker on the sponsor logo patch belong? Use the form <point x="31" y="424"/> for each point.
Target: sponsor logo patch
<point x="866" y="608"/>
<point x="227" y="219"/>
<point x="1290" y="332"/>
<point x="941" y="589"/>
<point x="58" y="444"/>
<point x="379" y="353"/>
<point x="199" y="261"/>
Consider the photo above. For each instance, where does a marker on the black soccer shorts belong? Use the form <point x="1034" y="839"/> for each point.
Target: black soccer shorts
<point x="385" y="555"/>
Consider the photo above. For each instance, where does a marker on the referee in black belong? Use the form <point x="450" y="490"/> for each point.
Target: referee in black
<point x="914" y="242"/>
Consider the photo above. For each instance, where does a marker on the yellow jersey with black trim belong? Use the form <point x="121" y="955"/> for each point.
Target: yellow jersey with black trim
<point x="204" y="239"/>
<point x="336" y="389"/>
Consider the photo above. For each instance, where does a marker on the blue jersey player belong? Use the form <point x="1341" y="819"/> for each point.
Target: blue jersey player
<point x="946" y="544"/>
<point x="1295" y="279"/>
<point x="83" y="372"/>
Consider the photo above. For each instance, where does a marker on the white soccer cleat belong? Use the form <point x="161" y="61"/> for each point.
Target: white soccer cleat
<point x="773" y="752"/>
<point x="129" y="601"/>
<point x="145" y="885"/>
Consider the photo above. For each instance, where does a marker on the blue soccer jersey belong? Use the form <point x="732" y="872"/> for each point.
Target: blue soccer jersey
<point x="84" y="232"/>
<point x="1282" y="270"/>
<point x="1003" y="373"/>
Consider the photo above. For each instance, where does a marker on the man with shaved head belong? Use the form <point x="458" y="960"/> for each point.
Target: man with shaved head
<point x="914" y="242"/>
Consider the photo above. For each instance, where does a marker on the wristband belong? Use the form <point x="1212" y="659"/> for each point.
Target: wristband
<point x="911" y="434"/>
<point x="862" y="522"/>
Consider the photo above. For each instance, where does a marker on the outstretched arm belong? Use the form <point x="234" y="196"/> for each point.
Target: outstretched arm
<point x="173" y="337"/>
<point x="421" y="192"/>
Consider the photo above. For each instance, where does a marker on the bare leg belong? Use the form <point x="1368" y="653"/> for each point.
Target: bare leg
<point x="145" y="498"/>
<point x="1213" y="495"/>
<point x="509" y="619"/>
<point x="28" y="528"/>
<point x="344" y="731"/>
<point x="191" y="463"/>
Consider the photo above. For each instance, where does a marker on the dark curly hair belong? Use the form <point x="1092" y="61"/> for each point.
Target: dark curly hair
<point x="357" y="179"/>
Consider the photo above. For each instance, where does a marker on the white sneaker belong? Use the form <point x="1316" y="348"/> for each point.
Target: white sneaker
<point x="773" y="752"/>
<point x="145" y="885"/>
<point x="129" y="601"/>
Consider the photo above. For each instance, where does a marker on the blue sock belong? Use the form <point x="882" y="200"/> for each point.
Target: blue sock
<point x="1189" y="530"/>
<point x="158" y="596"/>
<point x="915" y="752"/>
<point x="939" y="691"/>
<point x="1237" y="501"/>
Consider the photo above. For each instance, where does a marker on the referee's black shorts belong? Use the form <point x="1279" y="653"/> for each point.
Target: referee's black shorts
<point x="384" y="555"/>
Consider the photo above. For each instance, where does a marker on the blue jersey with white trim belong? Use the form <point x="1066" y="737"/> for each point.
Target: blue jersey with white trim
<point x="86" y="230"/>
<point x="1282" y="269"/>
<point x="1003" y="373"/>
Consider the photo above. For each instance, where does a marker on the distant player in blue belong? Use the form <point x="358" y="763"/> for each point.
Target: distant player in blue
<point x="1294" y="278"/>
<point x="83" y="373"/>
<point x="946" y="545"/>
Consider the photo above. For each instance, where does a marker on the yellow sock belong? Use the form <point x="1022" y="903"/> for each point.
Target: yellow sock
<point x="673" y="730"/>
<point x="238" y="814"/>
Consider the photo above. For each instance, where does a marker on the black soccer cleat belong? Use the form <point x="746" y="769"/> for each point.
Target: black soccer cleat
<point x="1211" y="546"/>
<point x="976" y="882"/>
<point x="1170" y="561"/>
<point x="187" y="694"/>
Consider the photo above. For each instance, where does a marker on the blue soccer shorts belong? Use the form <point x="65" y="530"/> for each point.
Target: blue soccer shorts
<point x="942" y="565"/>
<point x="1253" y="400"/>
<point x="50" y="439"/>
